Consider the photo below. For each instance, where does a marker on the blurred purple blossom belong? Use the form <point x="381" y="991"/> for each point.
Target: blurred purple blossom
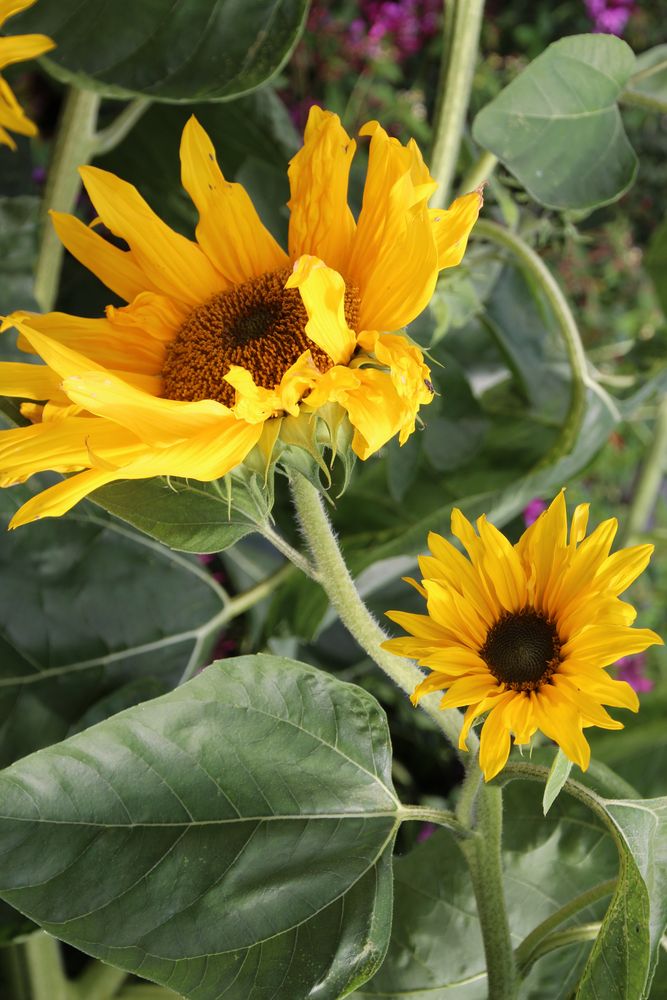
<point x="405" y="24"/>
<point x="631" y="669"/>
<point x="427" y="831"/>
<point x="532" y="511"/>
<point x="609" y="16"/>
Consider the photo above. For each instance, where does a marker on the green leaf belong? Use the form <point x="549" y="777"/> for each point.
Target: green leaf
<point x="233" y="836"/>
<point x="565" y="101"/>
<point x="192" y="50"/>
<point x="650" y="76"/>
<point x="436" y="948"/>
<point x="19" y="220"/>
<point x="559" y="772"/>
<point x="625" y="954"/>
<point x="91" y="613"/>
<point x="188" y="515"/>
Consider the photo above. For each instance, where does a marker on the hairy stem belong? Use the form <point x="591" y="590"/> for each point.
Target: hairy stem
<point x="483" y="854"/>
<point x="339" y="586"/>
<point x="284" y="547"/>
<point x="479" y="172"/>
<point x="460" y="46"/>
<point x="441" y="817"/>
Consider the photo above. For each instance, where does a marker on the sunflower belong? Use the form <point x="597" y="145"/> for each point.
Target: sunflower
<point x="230" y="344"/>
<point x="13" y="49"/>
<point x="524" y="632"/>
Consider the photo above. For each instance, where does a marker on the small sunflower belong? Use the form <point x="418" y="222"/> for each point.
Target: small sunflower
<point x="230" y="344"/>
<point x="524" y="632"/>
<point x="14" y="49"/>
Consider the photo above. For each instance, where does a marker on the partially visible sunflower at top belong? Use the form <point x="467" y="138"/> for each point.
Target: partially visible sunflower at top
<point x="14" y="49"/>
<point x="230" y="345"/>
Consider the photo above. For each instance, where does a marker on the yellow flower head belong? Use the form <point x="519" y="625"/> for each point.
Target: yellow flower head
<point x="524" y="632"/>
<point x="230" y="344"/>
<point x="14" y="49"/>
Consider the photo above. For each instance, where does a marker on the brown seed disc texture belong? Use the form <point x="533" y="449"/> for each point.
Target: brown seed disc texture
<point x="259" y="325"/>
<point x="522" y="649"/>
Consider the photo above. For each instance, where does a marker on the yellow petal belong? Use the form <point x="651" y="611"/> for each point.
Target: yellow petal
<point x="114" y="267"/>
<point x="418" y="625"/>
<point x="605" y="644"/>
<point x="58" y="499"/>
<point x="8" y="8"/>
<point x="321" y="223"/>
<point x="451" y="227"/>
<point x="518" y="717"/>
<point x="502" y="567"/>
<point x="622" y="568"/>
<point x="394" y="260"/>
<point x="469" y="690"/>
<point x="579" y="524"/>
<point x="173" y="264"/>
<point x="556" y="719"/>
<point x="323" y="293"/>
<point x="229" y="232"/>
<point x="494" y="742"/>
<point x="18" y="48"/>
<point x="28" y="381"/>
<point x="590" y="709"/>
<point x="597" y="683"/>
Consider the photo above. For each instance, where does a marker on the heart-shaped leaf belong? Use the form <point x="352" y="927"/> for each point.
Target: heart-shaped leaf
<point x="557" y="126"/>
<point x="185" y="51"/>
<point x="232" y="837"/>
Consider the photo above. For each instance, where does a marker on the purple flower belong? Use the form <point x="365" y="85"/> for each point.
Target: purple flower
<point x="609" y="16"/>
<point x="532" y="511"/>
<point x="427" y="831"/>
<point x="631" y="670"/>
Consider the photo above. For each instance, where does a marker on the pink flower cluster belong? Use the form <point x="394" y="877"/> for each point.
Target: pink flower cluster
<point x="609" y="16"/>
<point x="404" y="25"/>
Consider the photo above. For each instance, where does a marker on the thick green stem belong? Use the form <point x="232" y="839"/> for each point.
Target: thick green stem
<point x="335" y="578"/>
<point x="483" y="854"/>
<point x="442" y="817"/>
<point x="537" y="271"/>
<point x="74" y="146"/>
<point x="650" y="480"/>
<point x="635" y="98"/>
<point x="109" y="137"/>
<point x="531" y="948"/>
<point x="460" y="49"/>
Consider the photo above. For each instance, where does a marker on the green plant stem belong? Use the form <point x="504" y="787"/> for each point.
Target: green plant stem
<point x="99" y="981"/>
<point x="77" y="143"/>
<point x="460" y="48"/>
<point x="335" y="579"/>
<point x="483" y="854"/>
<point x="536" y="271"/>
<point x="479" y="172"/>
<point x="37" y="971"/>
<point x="108" y="138"/>
<point x="562" y="939"/>
<point x="650" y="480"/>
<point x="442" y="817"/>
<point x="284" y="547"/>
<point x="530" y="948"/>
<point x="74" y="146"/>
<point x="636" y="99"/>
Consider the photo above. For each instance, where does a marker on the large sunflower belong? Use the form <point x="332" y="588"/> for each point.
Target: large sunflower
<point x="13" y="49"/>
<point x="524" y="632"/>
<point x="230" y="343"/>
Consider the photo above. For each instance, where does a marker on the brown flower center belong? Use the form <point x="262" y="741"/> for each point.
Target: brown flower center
<point x="259" y="325"/>
<point x="522" y="649"/>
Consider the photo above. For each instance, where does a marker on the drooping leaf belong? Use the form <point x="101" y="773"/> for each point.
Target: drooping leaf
<point x="559" y="772"/>
<point x="565" y="102"/>
<point x="191" y="50"/>
<point x="89" y="607"/>
<point x="233" y="836"/>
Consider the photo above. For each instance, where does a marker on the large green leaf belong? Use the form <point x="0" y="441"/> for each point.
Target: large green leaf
<point x="557" y="126"/>
<point x="232" y="837"/>
<point x="93" y="617"/>
<point x="625" y="953"/>
<point x="185" y="51"/>
<point x="436" y="947"/>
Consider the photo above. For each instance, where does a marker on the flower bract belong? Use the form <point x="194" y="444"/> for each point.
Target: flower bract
<point x="230" y="345"/>
<point x="14" y="49"/>
<point x="523" y="633"/>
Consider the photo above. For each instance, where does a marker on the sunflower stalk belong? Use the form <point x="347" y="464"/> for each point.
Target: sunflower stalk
<point x="339" y="586"/>
<point x="462" y="28"/>
<point x="483" y="855"/>
<point x="649" y="481"/>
